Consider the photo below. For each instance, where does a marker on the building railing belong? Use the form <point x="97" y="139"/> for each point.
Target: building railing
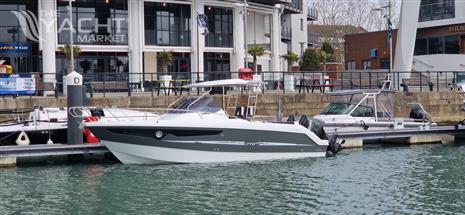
<point x="312" y="14"/>
<point x="437" y="11"/>
<point x="274" y="81"/>
<point x="286" y="33"/>
<point x="313" y="39"/>
<point x="297" y="4"/>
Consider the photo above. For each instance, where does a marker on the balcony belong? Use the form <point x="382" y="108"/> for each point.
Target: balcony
<point x="294" y="7"/>
<point x="437" y="11"/>
<point x="272" y="2"/>
<point x="313" y="40"/>
<point x="266" y="46"/>
<point x="312" y="14"/>
<point x="286" y="34"/>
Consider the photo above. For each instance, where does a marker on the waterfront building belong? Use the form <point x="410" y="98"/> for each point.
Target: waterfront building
<point x="120" y="39"/>
<point x="439" y="44"/>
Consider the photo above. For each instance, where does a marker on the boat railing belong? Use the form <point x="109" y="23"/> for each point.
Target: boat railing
<point x="145" y="113"/>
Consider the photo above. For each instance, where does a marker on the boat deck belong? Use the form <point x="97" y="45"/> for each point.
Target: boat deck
<point x="403" y="133"/>
<point x="50" y="150"/>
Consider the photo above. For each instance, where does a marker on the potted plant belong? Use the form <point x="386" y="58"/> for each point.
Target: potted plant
<point x="291" y="58"/>
<point x="66" y="49"/>
<point x="256" y="51"/>
<point x="164" y="60"/>
<point x="325" y="58"/>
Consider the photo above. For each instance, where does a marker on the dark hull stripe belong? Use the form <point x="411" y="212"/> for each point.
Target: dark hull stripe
<point x="233" y="148"/>
<point x="244" y="140"/>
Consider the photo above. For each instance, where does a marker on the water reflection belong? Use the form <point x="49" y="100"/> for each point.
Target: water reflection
<point x="423" y="179"/>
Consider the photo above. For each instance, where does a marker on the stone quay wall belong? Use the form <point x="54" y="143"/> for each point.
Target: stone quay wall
<point x="445" y="107"/>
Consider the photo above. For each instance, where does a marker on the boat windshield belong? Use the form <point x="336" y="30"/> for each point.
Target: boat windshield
<point x="361" y="105"/>
<point x="204" y="104"/>
<point x="337" y="108"/>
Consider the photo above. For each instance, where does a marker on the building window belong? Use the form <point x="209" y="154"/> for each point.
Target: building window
<point x="181" y="66"/>
<point x="366" y="64"/>
<point x="216" y="66"/>
<point x="452" y="44"/>
<point x="27" y="59"/>
<point x="97" y="67"/>
<point x="421" y="46"/>
<point x="167" y="24"/>
<point x="10" y="30"/>
<point x="351" y="65"/>
<point x="384" y="63"/>
<point x="220" y="27"/>
<point x="96" y="22"/>
<point x="301" y="24"/>
<point x="436" y="10"/>
<point x="438" y="45"/>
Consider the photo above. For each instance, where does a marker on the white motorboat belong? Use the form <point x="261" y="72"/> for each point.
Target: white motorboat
<point x="196" y="130"/>
<point x="359" y="110"/>
<point x="49" y="125"/>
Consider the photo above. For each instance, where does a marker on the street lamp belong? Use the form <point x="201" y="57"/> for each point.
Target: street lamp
<point x="389" y="28"/>
<point x="71" y="40"/>
<point x="245" y="35"/>
<point x="244" y="19"/>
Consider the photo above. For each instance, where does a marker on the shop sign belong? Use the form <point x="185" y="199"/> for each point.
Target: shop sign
<point x="457" y="28"/>
<point x="17" y="84"/>
<point x="16" y="48"/>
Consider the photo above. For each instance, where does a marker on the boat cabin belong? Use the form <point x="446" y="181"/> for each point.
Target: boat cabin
<point x="361" y="103"/>
<point x="206" y="104"/>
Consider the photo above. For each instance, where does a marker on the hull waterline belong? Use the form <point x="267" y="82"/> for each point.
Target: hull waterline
<point x="140" y="154"/>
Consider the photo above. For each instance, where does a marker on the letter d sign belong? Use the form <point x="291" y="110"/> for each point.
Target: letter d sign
<point x="74" y="78"/>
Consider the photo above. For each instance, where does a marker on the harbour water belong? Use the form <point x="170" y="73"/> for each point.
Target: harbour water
<point x="396" y="180"/>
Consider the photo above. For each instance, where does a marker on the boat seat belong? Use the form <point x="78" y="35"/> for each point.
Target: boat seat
<point x="291" y="119"/>
<point x="303" y="121"/>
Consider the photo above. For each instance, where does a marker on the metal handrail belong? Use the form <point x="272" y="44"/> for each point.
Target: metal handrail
<point x="273" y="80"/>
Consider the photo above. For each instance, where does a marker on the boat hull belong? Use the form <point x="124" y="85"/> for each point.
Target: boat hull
<point x="141" y="154"/>
<point x="35" y="136"/>
<point x="140" y="144"/>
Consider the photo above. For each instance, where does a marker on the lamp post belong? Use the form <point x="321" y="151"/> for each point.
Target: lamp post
<point x="245" y="35"/>
<point x="389" y="28"/>
<point x="71" y="40"/>
<point x="74" y="91"/>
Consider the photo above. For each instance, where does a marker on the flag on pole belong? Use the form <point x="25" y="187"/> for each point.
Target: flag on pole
<point x="202" y="21"/>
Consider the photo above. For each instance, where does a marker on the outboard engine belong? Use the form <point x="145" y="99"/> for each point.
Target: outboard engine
<point x="417" y="113"/>
<point x="316" y="126"/>
<point x="335" y="144"/>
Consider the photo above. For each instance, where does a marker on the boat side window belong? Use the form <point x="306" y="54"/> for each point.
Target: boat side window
<point x="363" y="111"/>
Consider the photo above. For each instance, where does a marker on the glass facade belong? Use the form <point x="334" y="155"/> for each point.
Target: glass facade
<point x="97" y="22"/>
<point x="167" y="24"/>
<point x="180" y="68"/>
<point x="438" y="45"/>
<point x="220" y="27"/>
<point x="12" y="34"/>
<point x="217" y="66"/>
<point x="436" y="10"/>
<point x="10" y="29"/>
<point x="97" y="67"/>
